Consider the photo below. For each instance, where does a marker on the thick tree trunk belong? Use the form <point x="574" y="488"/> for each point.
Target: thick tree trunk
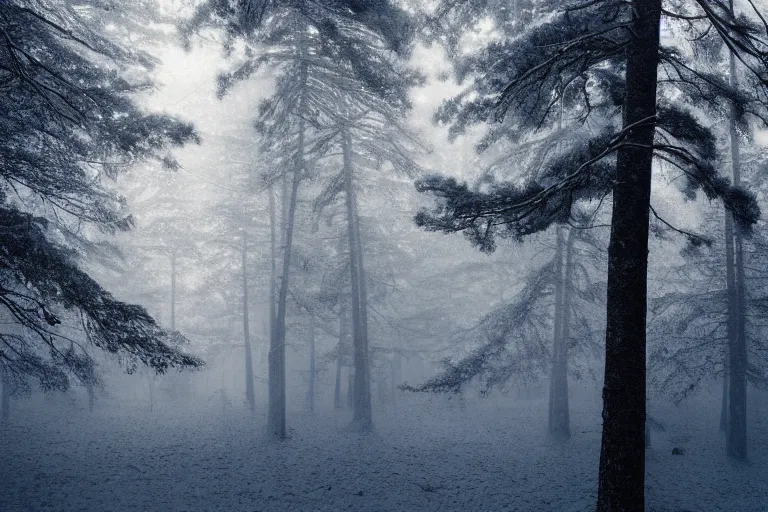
<point x="559" y="418"/>
<point x="362" y="418"/>
<point x="249" y="391"/>
<point x="621" y="480"/>
<point x="311" y="385"/>
<point x="736" y="442"/>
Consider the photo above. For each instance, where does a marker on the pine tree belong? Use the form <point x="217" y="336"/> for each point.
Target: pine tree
<point x="69" y="126"/>
<point x="322" y="49"/>
<point x="603" y="59"/>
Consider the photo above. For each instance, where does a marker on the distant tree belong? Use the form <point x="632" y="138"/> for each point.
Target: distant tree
<point x="70" y="125"/>
<point x="557" y="304"/>
<point x="321" y="49"/>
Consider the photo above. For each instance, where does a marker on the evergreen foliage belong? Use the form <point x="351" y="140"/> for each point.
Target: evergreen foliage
<point x="69" y="125"/>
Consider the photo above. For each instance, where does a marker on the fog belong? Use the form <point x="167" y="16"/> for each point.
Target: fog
<point x="385" y="256"/>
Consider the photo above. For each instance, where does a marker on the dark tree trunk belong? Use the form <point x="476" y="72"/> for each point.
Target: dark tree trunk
<point x="724" y="400"/>
<point x="362" y="418"/>
<point x="249" y="391"/>
<point x="311" y="386"/>
<point x="621" y="479"/>
<point x="277" y="402"/>
<point x="736" y="442"/>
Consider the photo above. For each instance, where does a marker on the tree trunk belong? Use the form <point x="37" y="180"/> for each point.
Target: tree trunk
<point x="276" y="413"/>
<point x="724" y="401"/>
<point x="271" y="363"/>
<point x="362" y="390"/>
<point x="559" y="425"/>
<point x="351" y="387"/>
<point x="151" y="392"/>
<point x="173" y="289"/>
<point x="343" y="343"/>
<point x="557" y="331"/>
<point x="311" y="387"/>
<point x="397" y="371"/>
<point x="736" y="437"/>
<point x="249" y="391"/>
<point x="277" y="402"/>
<point x="621" y="480"/>
<point x="91" y="395"/>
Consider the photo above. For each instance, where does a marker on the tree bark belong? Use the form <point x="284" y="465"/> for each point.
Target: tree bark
<point x="621" y="479"/>
<point x="736" y="437"/>
<point x="362" y="418"/>
<point x="249" y="391"/>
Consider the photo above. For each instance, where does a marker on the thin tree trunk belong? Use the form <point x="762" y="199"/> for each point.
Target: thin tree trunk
<point x="91" y="395"/>
<point x="311" y="387"/>
<point x="151" y="392"/>
<point x="277" y="400"/>
<point x="249" y="391"/>
<point x="397" y="370"/>
<point x="362" y="398"/>
<point x="343" y="336"/>
<point x="621" y="481"/>
<point x="351" y="387"/>
<point x="560" y="418"/>
<point x="724" y="400"/>
<point x="173" y="289"/>
<point x="273" y="349"/>
<point x="736" y="437"/>
<point x="277" y="404"/>
<point x="558" y="328"/>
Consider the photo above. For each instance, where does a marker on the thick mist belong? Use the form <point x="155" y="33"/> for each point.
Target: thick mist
<point x="383" y="256"/>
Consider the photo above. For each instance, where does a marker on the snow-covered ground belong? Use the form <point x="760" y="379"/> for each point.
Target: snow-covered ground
<point x="427" y="455"/>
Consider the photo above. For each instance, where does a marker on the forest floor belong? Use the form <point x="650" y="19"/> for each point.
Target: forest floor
<point x="426" y="455"/>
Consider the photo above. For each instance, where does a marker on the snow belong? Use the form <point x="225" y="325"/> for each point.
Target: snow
<point x="427" y="455"/>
